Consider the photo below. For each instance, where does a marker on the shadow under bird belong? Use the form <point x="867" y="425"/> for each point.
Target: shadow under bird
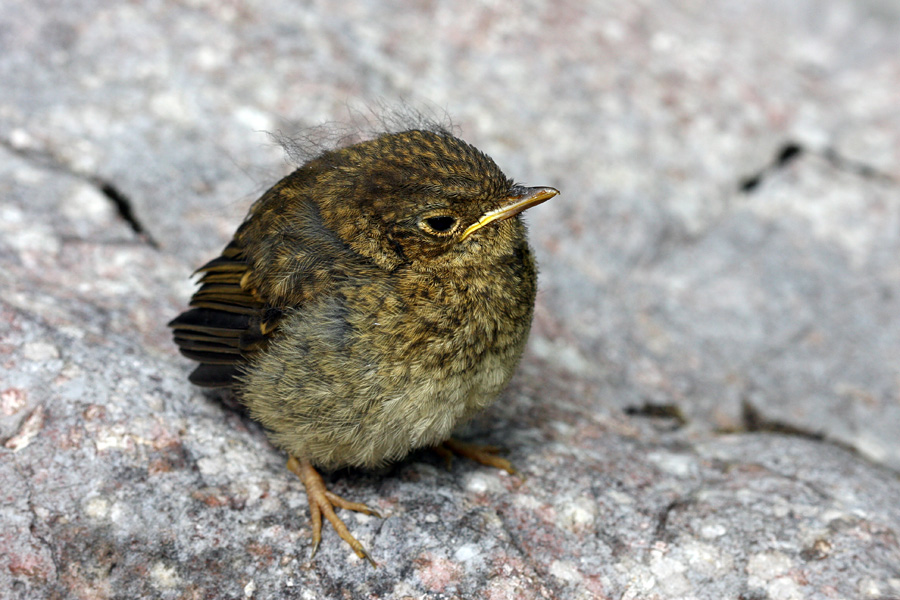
<point x="370" y="302"/>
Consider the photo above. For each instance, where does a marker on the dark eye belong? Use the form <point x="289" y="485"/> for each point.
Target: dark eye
<point x="441" y="224"/>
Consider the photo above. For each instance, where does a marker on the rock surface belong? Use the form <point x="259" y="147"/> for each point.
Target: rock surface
<point x="708" y="407"/>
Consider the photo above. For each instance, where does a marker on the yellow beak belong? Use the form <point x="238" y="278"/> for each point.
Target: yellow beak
<point x="520" y="199"/>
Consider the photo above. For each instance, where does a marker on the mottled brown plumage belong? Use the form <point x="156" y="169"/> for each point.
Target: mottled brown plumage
<point x="371" y="301"/>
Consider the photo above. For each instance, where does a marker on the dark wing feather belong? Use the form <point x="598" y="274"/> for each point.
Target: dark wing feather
<point x="281" y="257"/>
<point x="226" y="322"/>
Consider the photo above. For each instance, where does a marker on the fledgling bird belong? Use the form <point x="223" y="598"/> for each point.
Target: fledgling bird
<point x="371" y="301"/>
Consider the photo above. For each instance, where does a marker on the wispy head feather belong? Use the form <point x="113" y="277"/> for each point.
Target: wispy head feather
<point x="362" y="124"/>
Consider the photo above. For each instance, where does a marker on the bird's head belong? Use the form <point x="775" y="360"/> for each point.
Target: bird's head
<point x="422" y="198"/>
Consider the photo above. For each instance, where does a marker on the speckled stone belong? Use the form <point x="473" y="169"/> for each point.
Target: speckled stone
<point x="707" y="407"/>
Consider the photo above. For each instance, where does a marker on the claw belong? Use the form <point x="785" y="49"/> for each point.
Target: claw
<point x="322" y="501"/>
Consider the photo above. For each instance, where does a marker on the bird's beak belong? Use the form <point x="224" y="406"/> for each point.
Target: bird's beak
<point x="519" y="199"/>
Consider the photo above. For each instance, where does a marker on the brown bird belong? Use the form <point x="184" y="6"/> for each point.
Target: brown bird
<point x="371" y="301"/>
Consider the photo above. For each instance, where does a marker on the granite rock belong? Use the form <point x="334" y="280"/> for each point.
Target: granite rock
<point x="707" y="407"/>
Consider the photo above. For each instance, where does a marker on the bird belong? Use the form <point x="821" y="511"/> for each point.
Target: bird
<point x="371" y="301"/>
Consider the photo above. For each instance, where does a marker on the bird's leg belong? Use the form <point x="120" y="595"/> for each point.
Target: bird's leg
<point x="485" y="455"/>
<point x="321" y="501"/>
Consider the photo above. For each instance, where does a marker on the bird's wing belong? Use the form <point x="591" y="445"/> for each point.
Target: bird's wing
<point x="281" y="258"/>
<point x="225" y="322"/>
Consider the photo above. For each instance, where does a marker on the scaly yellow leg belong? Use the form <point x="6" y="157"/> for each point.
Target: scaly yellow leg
<point x="485" y="455"/>
<point x="321" y="501"/>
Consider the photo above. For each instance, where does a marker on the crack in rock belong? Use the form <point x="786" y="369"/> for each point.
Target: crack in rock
<point x="790" y="151"/>
<point x="119" y="199"/>
<point x="124" y="208"/>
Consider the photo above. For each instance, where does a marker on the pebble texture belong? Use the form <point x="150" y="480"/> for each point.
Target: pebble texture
<point x="708" y="406"/>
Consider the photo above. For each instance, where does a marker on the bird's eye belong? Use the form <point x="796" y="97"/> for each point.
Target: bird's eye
<point x="439" y="224"/>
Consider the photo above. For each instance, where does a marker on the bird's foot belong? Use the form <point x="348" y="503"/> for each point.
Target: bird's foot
<point x="321" y="501"/>
<point x="485" y="455"/>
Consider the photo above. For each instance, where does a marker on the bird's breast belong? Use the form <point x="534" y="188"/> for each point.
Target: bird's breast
<point x="387" y="365"/>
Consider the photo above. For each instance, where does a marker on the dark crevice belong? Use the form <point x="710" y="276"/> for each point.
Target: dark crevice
<point x="791" y="151"/>
<point x="658" y="411"/>
<point x="786" y="154"/>
<point x="119" y="199"/>
<point x="754" y="421"/>
<point x="662" y="519"/>
<point x="124" y="208"/>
